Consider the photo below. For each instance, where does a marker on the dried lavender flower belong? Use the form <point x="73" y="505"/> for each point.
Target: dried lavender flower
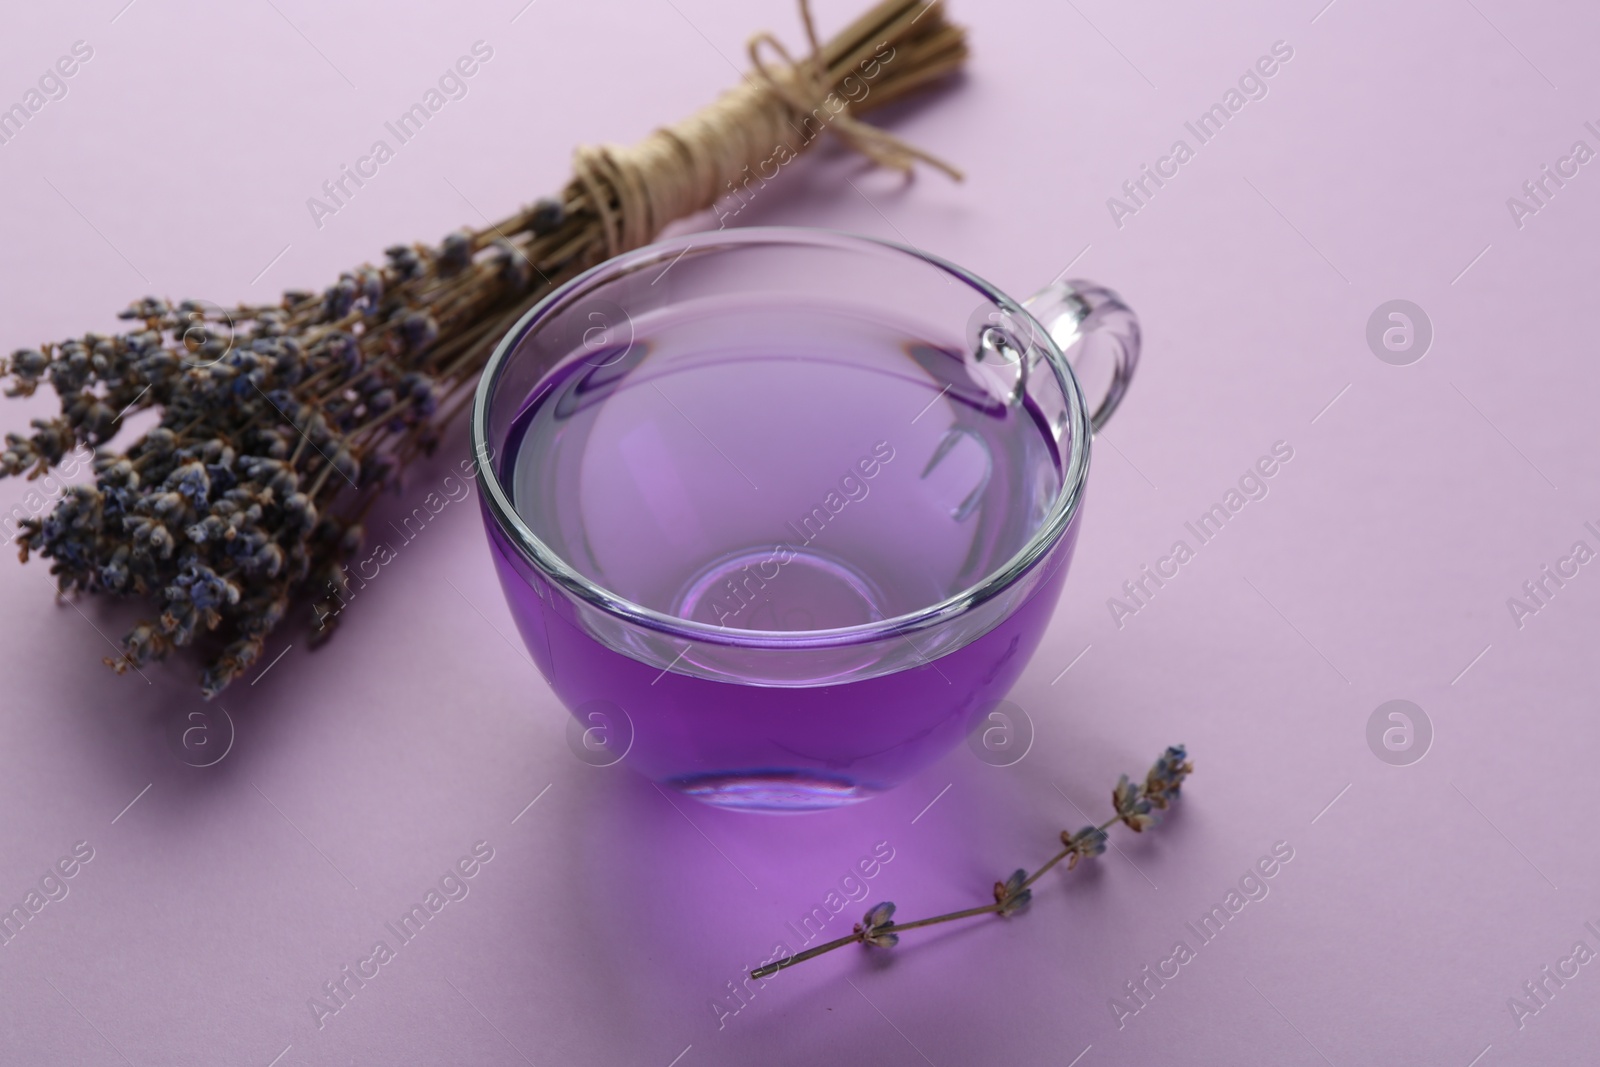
<point x="869" y="931"/>
<point x="878" y="928"/>
<point x="1085" y="844"/>
<point x="279" y="426"/>
<point x="1012" y="895"/>
<point x="1131" y="805"/>
<point x="1166" y="777"/>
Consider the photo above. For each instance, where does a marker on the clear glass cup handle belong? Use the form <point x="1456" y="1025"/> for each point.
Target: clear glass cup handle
<point x="1098" y="333"/>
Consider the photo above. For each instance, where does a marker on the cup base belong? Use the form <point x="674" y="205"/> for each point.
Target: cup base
<point x="776" y="792"/>
<point x="781" y="588"/>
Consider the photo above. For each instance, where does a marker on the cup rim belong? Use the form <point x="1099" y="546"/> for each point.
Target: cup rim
<point x="1059" y="519"/>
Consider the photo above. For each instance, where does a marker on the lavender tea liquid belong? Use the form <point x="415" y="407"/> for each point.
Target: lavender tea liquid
<point x="777" y="468"/>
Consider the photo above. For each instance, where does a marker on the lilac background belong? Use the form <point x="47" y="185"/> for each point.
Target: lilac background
<point x="611" y="915"/>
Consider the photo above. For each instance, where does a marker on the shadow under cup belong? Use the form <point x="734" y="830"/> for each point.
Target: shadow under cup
<point x="780" y="514"/>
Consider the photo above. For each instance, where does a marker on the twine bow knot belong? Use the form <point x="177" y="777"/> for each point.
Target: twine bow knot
<point x="688" y="167"/>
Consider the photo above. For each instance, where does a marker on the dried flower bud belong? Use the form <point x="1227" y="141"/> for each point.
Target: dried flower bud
<point x="546" y="216"/>
<point x="512" y="266"/>
<point x="455" y="253"/>
<point x="873" y="927"/>
<point x="1131" y="806"/>
<point x="419" y="330"/>
<point x="1012" y="894"/>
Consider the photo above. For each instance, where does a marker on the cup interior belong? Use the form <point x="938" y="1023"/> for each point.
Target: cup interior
<point x="779" y="435"/>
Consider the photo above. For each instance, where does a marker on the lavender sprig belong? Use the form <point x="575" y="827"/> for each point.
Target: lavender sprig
<point x="1135" y="804"/>
<point x="279" y="427"/>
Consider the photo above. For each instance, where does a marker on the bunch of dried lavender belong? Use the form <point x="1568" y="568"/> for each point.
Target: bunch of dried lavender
<point x="280" y="425"/>
<point x="1135" y="804"/>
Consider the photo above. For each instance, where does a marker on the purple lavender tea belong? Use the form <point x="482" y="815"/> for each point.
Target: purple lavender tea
<point x="778" y="470"/>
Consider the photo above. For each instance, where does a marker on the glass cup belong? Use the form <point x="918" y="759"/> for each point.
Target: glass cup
<point x="781" y="514"/>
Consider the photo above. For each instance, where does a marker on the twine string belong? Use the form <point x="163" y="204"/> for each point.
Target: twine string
<point x="679" y="170"/>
